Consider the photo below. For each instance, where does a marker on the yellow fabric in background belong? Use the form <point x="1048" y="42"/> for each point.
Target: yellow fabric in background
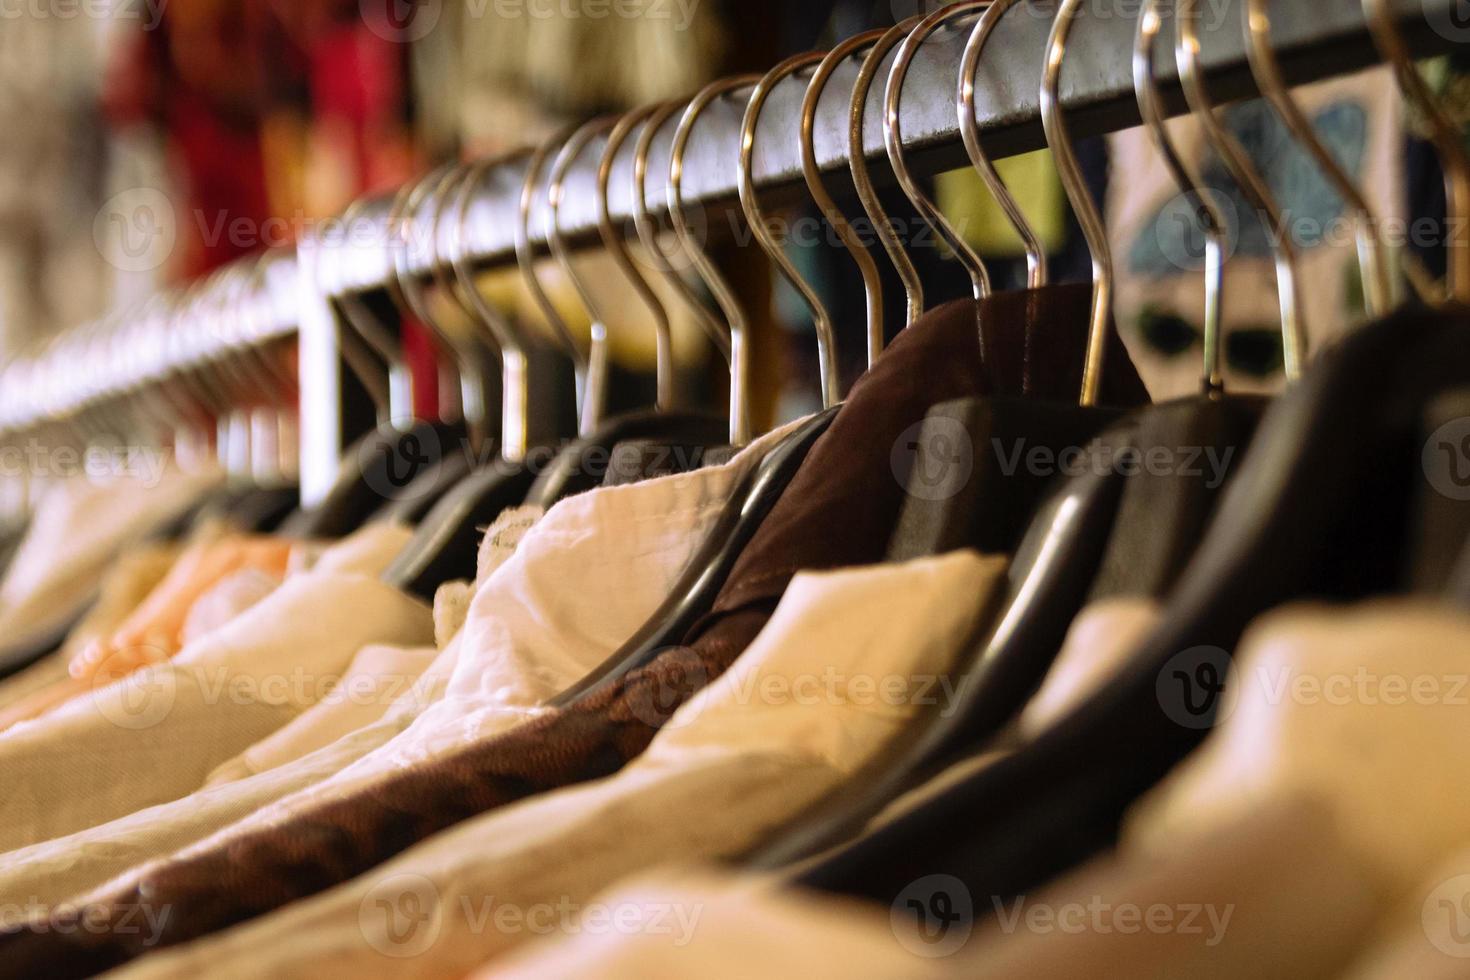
<point x="970" y="207"/>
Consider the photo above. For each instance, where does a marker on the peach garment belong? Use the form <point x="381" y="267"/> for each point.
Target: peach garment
<point x="155" y="630"/>
<point x="131" y="615"/>
<point x="155" y="735"/>
<point x="126" y="584"/>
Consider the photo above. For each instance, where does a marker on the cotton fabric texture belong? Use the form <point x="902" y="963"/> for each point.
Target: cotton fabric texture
<point x="838" y="672"/>
<point x="573" y="588"/>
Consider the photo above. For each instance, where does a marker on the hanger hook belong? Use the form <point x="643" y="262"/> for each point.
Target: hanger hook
<point x="644" y="222"/>
<point x="408" y="294"/>
<point x="1207" y="213"/>
<point x="1252" y="184"/>
<point x="526" y="257"/>
<point x="862" y="179"/>
<point x="1036" y="265"/>
<point x="1094" y="231"/>
<point x="617" y="247"/>
<point x="750" y="204"/>
<point x="515" y="394"/>
<point x="595" y="394"/>
<point x="1373" y="260"/>
<point x="811" y="169"/>
<point x="718" y="285"/>
<point x="393" y="398"/>
<point x="1444" y="133"/>
<point x="893" y="140"/>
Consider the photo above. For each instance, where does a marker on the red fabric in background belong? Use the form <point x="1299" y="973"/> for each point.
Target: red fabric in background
<point x="210" y="77"/>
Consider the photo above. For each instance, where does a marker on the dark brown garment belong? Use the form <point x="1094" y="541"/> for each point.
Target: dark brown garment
<point x="838" y="511"/>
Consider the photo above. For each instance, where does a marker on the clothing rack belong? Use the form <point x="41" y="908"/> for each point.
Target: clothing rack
<point x="1313" y="40"/>
<point x="246" y="305"/>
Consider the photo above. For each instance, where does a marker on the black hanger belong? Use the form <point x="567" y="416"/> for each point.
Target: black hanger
<point x="701" y="581"/>
<point x="374" y="469"/>
<point x="1441" y="528"/>
<point x="1316" y="509"/>
<point x="446" y="546"/>
<point x="257" y="510"/>
<point x="1459" y="590"/>
<point x="1168" y="498"/>
<point x="424" y="493"/>
<point x="583" y="464"/>
<point x="636" y="460"/>
<point x="1046" y="583"/>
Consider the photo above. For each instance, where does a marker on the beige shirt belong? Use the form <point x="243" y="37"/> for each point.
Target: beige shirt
<point x="1426" y="933"/>
<point x="841" y="668"/>
<point x="376" y="679"/>
<point x="581" y="581"/>
<point x="154" y="736"/>
<point x="1360" y="706"/>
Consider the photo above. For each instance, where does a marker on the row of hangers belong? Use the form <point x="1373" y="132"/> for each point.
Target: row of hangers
<point x="231" y="402"/>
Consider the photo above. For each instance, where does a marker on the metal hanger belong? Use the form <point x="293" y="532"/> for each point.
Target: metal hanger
<point x="469" y="356"/>
<point x="893" y="140"/>
<point x="648" y="235"/>
<point x="1094" y="230"/>
<point x="514" y="368"/>
<point x="718" y="286"/>
<point x="913" y="286"/>
<point x="1150" y="106"/>
<point x="446" y="543"/>
<point x="812" y="171"/>
<point x="526" y="259"/>
<point x="263" y="389"/>
<point x="576" y="468"/>
<point x="1036" y="263"/>
<point x="1252" y="184"/>
<point x="1445" y="134"/>
<point x="1373" y="257"/>
<point x="594" y="400"/>
<point x="617" y="247"/>
<point x="750" y="204"/>
<point x="396" y="378"/>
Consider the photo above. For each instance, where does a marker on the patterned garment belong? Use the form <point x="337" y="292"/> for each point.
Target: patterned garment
<point x="1160" y="247"/>
<point x="839" y="511"/>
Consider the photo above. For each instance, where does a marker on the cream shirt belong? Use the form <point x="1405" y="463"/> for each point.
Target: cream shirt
<point x="154" y="736"/>
<point x="1363" y="707"/>
<point x="717" y="927"/>
<point x="841" y="668"/>
<point x="380" y="674"/>
<point x="1426" y="934"/>
<point x="585" y="578"/>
